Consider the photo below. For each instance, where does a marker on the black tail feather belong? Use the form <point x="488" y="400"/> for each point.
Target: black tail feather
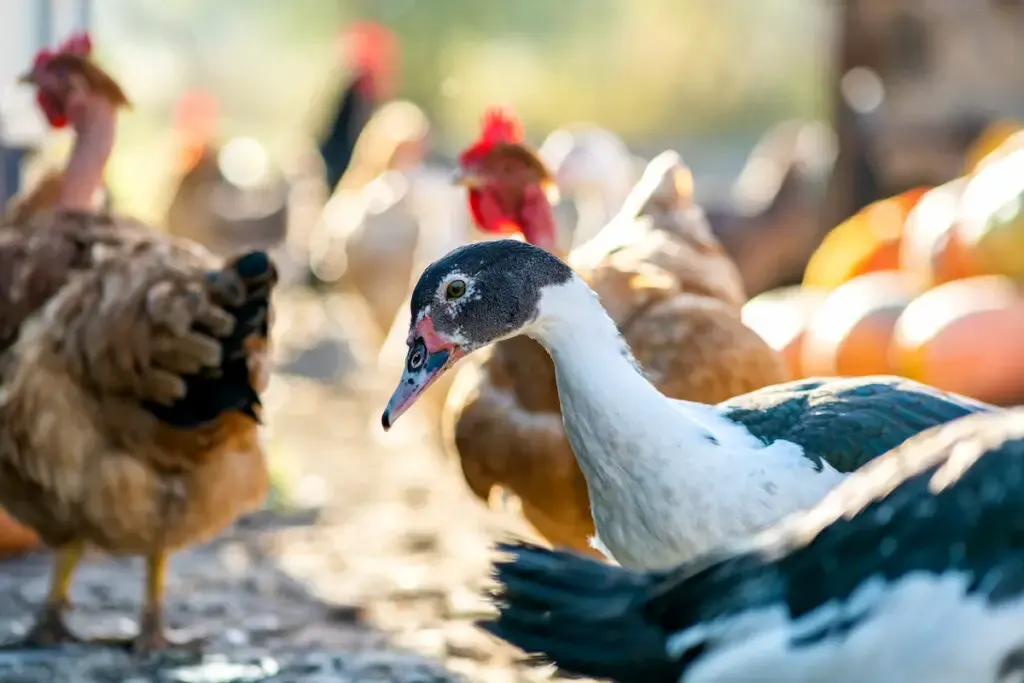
<point x="208" y="396"/>
<point x="587" y="618"/>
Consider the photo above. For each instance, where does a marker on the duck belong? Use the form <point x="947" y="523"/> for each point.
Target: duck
<point x="667" y="479"/>
<point x="674" y="294"/>
<point x="910" y="570"/>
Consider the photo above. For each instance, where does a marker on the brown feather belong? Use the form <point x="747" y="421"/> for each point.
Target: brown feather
<point x="90" y="304"/>
<point x="99" y="81"/>
<point x="41" y="196"/>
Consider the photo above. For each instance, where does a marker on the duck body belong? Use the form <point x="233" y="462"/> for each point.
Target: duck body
<point x="908" y="571"/>
<point x="672" y="479"/>
<point x="667" y="479"/>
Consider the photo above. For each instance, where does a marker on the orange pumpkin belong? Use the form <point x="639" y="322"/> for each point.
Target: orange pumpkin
<point x="867" y="242"/>
<point x="851" y="333"/>
<point x="781" y="316"/>
<point x="991" y="216"/>
<point x="965" y="336"/>
<point x="15" y="538"/>
<point x="932" y="248"/>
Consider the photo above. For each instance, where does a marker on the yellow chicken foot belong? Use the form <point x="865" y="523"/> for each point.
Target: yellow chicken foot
<point x="50" y="628"/>
<point x="152" y="635"/>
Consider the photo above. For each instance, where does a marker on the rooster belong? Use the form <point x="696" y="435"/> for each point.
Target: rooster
<point x="661" y="275"/>
<point x="131" y="366"/>
<point x="371" y="51"/>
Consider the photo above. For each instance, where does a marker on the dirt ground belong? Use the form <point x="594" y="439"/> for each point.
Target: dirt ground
<point x="365" y="565"/>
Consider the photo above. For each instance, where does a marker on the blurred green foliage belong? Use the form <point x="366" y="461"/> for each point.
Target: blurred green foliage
<point x="654" y="71"/>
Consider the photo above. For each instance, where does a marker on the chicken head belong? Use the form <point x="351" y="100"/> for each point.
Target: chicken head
<point x="508" y="183"/>
<point x="69" y="83"/>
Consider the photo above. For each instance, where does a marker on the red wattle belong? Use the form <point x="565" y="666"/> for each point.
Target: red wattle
<point x="488" y="214"/>
<point x="537" y="218"/>
<point x="52" y="109"/>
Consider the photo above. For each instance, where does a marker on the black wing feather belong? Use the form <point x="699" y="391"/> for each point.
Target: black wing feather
<point x="847" y="421"/>
<point x="602" y="621"/>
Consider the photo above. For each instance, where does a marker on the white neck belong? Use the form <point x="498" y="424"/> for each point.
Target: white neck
<point x="614" y="417"/>
<point x="596" y="373"/>
<point x="667" y="479"/>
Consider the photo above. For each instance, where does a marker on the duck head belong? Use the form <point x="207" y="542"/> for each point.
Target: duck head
<point x="476" y="295"/>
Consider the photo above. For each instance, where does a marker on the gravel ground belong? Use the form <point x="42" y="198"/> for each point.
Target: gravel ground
<point x="365" y="566"/>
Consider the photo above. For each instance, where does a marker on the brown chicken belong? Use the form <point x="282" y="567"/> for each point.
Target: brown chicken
<point x="208" y="206"/>
<point x="662" y="277"/>
<point x="131" y="367"/>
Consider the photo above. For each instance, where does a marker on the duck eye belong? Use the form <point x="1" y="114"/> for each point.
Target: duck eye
<point x="455" y="289"/>
<point x="417" y="357"/>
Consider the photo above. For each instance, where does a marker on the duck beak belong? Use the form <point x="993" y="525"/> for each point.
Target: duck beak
<point x="466" y="178"/>
<point x="429" y="357"/>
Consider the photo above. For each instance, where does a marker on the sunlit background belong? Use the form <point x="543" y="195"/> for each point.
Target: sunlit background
<point x="693" y="74"/>
<point x="856" y="159"/>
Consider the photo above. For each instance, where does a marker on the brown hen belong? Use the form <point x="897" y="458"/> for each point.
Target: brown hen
<point x="131" y="367"/>
<point x="665" y="281"/>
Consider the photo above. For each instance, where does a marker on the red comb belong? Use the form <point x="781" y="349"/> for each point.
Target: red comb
<point x="499" y="126"/>
<point x="369" y="46"/>
<point x="76" y="44"/>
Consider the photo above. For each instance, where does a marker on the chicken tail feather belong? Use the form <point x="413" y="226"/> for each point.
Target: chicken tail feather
<point x="242" y="290"/>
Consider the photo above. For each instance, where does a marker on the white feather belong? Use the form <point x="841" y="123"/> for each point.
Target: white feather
<point x="661" y="492"/>
<point x="922" y="627"/>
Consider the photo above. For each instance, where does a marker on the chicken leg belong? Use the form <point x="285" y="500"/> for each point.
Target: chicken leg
<point x="152" y="634"/>
<point x="50" y="627"/>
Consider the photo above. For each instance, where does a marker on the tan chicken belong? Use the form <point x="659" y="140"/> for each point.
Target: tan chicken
<point x="662" y="277"/>
<point x="131" y="367"/>
<point x="367" y="237"/>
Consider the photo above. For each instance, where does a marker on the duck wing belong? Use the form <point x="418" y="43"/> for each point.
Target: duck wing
<point x="846" y="422"/>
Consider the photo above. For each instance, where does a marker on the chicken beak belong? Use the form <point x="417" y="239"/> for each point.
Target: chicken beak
<point x="27" y="78"/>
<point x="466" y="178"/>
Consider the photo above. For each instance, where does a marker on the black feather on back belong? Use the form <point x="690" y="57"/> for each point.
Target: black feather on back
<point x="973" y="524"/>
<point x="949" y="500"/>
<point x="208" y="397"/>
<point x="846" y="421"/>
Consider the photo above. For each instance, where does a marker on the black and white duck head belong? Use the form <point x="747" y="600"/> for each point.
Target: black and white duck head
<point x="476" y="295"/>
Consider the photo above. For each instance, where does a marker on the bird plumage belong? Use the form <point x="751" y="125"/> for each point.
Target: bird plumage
<point x="909" y="570"/>
<point x="667" y="479"/>
<point x="131" y="366"/>
<point x="846" y="421"/>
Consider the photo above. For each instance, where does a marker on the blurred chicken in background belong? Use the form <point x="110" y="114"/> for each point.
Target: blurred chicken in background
<point x="229" y="198"/>
<point x="389" y="206"/>
<point x="594" y="172"/>
<point x="771" y="224"/>
<point x="371" y="53"/>
<point x="148" y="354"/>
